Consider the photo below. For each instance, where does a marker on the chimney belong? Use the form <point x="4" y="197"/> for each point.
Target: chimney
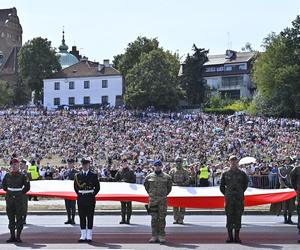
<point x="106" y="63"/>
<point x="100" y="67"/>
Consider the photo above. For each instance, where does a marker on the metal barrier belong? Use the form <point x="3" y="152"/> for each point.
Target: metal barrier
<point x="263" y="181"/>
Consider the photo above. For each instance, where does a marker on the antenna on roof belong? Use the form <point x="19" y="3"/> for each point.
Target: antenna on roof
<point x="229" y="43"/>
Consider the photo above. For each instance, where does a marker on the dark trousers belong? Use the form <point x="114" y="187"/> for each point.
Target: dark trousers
<point x="71" y="208"/>
<point x="126" y="209"/>
<point x="15" y="211"/>
<point x="298" y="210"/>
<point x="86" y="214"/>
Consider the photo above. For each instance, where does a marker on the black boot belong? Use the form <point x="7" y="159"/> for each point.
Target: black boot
<point x="285" y="219"/>
<point x="237" y="236"/>
<point x="12" y="237"/>
<point x="18" y="239"/>
<point x="289" y="221"/>
<point x="24" y="219"/>
<point x="69" y="220"/>
<point x="230" y="236"/>
<point x="128" y="219"/>
<point x="73" y="220"/>
<point x="123" y="219"/>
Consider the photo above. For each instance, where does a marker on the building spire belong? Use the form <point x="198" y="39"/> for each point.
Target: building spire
<point x="63" y="47"/>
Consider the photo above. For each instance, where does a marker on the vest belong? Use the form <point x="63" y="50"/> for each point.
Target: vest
<point x="32" y="169"/>
<point x="203" y="173"/>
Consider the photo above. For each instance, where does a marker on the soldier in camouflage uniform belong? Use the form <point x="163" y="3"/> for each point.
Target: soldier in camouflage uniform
<point x="180" y="177"/>
<point x="295" y="180"/>
<point x="285" y="182"/>
<point x="16" y="186"/>
<point x="234" y="183"/>
<point x="23" y="169"/>
<point x="158" y="185"/>
<point x="125" y="175"/>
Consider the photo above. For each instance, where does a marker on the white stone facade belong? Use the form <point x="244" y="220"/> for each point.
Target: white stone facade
<point x="96" y="89"/>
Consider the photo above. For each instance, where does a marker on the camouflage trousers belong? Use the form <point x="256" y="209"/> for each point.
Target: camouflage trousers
<point x="288" y="206"/>
<point x="15" y="210"/>
<point x="158" y="211"/>
<point x="178" y="213"/>
<point x="234" y="209"/>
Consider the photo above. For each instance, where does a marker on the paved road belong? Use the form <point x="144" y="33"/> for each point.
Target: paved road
<point x="199" y="232"/>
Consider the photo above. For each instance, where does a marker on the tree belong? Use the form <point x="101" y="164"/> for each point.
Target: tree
<point x="6" y="94"/>
<point x="247" y="47"/>
<point x="277" y="74"/>
<point x="153" y="81"/>
<point x="192" y="80"/>
<point x="37" y="61"/>
<point x="125" y="62"/>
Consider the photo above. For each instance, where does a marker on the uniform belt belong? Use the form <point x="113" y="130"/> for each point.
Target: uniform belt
<point x="86" y="191"/>
<point x="15" y="189"/>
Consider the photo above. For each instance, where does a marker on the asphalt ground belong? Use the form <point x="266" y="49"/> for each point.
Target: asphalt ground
<point x="199" y="232"/>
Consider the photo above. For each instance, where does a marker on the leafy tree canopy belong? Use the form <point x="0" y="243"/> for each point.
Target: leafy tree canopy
<point x="153" y="81"/>
<point x="37" y="61"/>
<point x="277" y="74"/>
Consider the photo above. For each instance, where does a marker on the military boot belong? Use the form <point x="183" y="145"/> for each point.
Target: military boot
<point x="237" y="236"/>
<point x="123" y="219"/>
<point x="285" y="219"/>
<point x="161" y="239"/>
<point x="153" y="239"/>
<point x="73" y="220"/>
<point x="18" y="239"/>
<point x="289" y="221"/>
<point x="230" y="236"/>
<point x="128" y="219"/>
<point x="12" y="237"/>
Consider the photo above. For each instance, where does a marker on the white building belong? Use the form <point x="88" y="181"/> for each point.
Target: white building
<point x="85" y="83"/>
<point x="230" y="74"/>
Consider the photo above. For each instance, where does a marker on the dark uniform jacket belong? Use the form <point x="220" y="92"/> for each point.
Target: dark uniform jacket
<point x="84" y="183"/>
<point x="125" y="175"/>
<point x="13" y="181"/>
<point x="70" y="174"/>
<point x="284" y="176"/>
<point x="295" y="178"/>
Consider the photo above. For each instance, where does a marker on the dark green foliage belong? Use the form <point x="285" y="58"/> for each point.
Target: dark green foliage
<point x="37" y="61"/>
<point x="192" y="80"/>
<point x="277" y="75"/>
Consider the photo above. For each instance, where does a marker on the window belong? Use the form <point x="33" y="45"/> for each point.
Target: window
<point x="56" y="101"/>
<point x="232" y="81"/>
<point x="210" y="69"/>
<point x="71" y="100"/>
<point x="86" y="84"/>
<point x="228" y="68"/>
<point x="56" y="86"/>
<point x="86" y="100"/>
<point x="71" y="85"/>
<point x="104" y="84"/>
<point x="243" y="66"/>
<point x="104" y="99"/>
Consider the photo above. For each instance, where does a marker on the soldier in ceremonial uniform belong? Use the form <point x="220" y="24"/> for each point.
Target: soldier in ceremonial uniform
<point x="158" y="185"/>
<point x="180" y="177"/>
<point x="23" y="169"/>
<point x="285" y="182"/>
<point x="70" y="204"/>
<point x="16" y="186"/>
<point x="86" y="185"/>
<point x="234" y="183"/>
<point x="125" y="175"/>
<point x="295" y="180"/>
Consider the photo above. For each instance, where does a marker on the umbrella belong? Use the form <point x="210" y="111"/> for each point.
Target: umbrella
<point x="247" y="160"/>
<point x="217" y="130"/>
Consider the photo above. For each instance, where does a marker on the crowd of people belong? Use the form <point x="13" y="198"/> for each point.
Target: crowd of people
<point x="109" y="135"/>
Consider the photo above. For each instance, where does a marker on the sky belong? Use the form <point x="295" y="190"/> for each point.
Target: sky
<point x="102" y="29"/>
